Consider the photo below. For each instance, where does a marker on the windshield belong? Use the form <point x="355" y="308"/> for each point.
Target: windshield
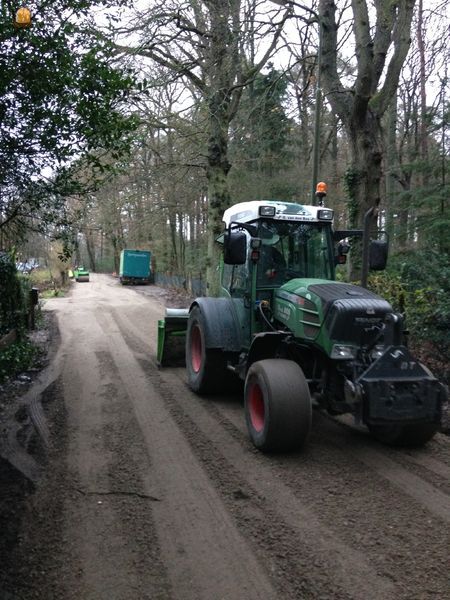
<point x="293" y="249"/>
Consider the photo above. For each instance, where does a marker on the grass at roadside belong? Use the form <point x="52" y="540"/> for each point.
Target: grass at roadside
<point x="16" y="358"/>
<point x="49" y="283"/>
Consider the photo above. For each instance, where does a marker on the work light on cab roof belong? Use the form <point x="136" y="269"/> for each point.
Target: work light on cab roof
<point x="247" y="212"/>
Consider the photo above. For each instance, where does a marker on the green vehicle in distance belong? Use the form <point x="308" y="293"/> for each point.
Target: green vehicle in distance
<point x="135" y="267"/>
<point x="81" y="274"/>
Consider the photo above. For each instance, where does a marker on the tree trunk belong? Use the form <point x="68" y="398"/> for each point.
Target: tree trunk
<point x="362" y="106"/>
<point x="391" y="167"/>
<point x="216" y="174"/>
<point x="423" y="96"/>
<point x="219" y="199"/>
<point x="173" y="257"/>
<point x="181" y="242"/>
<point x="90" y="247"/>
<point x="366" y="155"/>
<point x="116" y="254"/>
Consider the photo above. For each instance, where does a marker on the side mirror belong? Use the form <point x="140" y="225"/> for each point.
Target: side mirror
<point x="234" y="248"/>
<point x="343" y="249"/>
<point x="378" y="255"/>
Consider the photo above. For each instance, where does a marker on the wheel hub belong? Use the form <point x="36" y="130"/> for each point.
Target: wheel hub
<point x="196" y="349"/>
<point x="256" y="407"/>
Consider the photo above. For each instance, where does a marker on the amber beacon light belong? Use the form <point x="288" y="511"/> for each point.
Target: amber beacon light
<point x="23" y="17"/>
<point x="321" y="188"/>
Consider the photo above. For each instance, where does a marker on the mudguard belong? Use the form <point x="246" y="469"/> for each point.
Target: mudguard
<point x="221" y="323"/>
<point x="264" y="345"/>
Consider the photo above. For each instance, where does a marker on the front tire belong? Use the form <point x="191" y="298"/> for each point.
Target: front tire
<point x="411" y="436"/>
<point x="206" y="367"/>
<point x="278" y="409"/>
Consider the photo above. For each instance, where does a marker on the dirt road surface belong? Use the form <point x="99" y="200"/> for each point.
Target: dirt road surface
<point x="151" y="492"/>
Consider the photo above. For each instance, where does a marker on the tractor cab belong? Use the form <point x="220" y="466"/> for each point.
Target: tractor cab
<point x="279" y="249"/>
<point x="267" y="244"/>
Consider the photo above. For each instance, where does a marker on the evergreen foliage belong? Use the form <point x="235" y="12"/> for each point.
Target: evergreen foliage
<point x="16" y="358"/>
<point x="12" y="296"/>
<point x="260" y="143"/>
<point x="418" y="285"/>
<point x="59" y="98"/>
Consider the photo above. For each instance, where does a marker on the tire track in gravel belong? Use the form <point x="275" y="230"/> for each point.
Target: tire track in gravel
<point x="128" y="481"/>
<point x="422" y="460"/>
<point x="351" y="575"/>
<point x="361" y="507"/>
<point x="306" y="545"/>
<point x="426" y="494"/>
<point x="205" y="555"/>
<point x="294" y="573"/>
<point x="396" y="468"/>
<point x="109" y="554"/>
<point x="427" y="462"/>
<point x="348" y="446"/>
<point x="369" y="515"/>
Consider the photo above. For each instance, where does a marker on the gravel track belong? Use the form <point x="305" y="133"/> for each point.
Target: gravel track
<point x="151" y="492"/>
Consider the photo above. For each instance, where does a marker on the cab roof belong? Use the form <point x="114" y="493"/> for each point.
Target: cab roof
<point x="245" y="212"/>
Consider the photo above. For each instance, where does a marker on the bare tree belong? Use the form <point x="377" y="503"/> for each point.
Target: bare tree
<point x="203" y="43"/>
<point x="380" y="52"/>
<point x="413" y="181"/>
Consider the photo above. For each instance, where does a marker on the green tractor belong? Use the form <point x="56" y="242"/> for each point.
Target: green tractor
<point x="297" y="337"/>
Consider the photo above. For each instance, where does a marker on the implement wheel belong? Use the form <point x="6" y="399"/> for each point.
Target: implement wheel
<point x="277" y="405"/>
<point x="206" y="367"/>
<point x="411" y="436"/>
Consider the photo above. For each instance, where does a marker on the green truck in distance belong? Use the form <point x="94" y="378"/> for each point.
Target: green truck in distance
<point x="135" y="267"/>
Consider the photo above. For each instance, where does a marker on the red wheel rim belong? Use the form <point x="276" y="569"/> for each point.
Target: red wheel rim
<point x="256" y="407"/>
<point x="196" y="348"/>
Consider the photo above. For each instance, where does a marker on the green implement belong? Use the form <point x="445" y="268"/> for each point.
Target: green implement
<point x="172" y="338"/>
<point x="81" y="274"/>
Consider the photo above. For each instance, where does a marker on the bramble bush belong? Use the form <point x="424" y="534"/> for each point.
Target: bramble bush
<point x="418" y="284"/>
<point x="16" y="358"/>
<point x="13" y="297"/>
<point x="13" y="315"/>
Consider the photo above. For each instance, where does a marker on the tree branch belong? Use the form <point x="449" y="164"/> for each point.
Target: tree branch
<point x="402" y="42"/>
<point x="337" y="95"/>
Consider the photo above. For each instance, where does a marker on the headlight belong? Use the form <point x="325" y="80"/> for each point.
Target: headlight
<point x="377" y="352"/>
<point x="267" y="211"/>
<point x="342" y="352"/>
<point x="325" y="214"/>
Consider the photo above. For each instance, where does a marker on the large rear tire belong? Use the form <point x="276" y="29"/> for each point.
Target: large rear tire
<point x="411" y="436"/>
<point x="206" y="367"/>
<point x="278" y="409"/>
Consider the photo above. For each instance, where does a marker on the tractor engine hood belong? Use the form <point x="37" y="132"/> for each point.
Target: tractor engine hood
<point x="330" y="313"/>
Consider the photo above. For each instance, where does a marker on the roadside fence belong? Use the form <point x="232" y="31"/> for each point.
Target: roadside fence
<point x="196" y="286"/>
